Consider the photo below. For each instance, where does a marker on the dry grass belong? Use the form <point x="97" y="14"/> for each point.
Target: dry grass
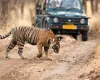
<point x="20" y="15"/>
<point x="94" y="32"/>
<point x="16" y="18"/>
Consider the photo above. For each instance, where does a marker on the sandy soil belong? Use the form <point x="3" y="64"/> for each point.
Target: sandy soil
<point x="72" y="63"/>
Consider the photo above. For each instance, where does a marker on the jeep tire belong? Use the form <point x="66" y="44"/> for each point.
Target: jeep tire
<point x="84" y="35"/>
<point x="74" y="36"/>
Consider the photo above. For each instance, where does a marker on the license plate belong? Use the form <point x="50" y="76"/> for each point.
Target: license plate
<point x="70" y="27"/>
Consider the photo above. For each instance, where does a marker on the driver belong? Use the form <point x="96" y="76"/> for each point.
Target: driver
<point x="63" y="3"/>
<point x="55" y="3"/>
<point x="70" y="4"/>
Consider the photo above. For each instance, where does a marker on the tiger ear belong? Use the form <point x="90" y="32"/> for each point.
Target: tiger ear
<point x="49" y="41"/>
<point x="48" y="29"/>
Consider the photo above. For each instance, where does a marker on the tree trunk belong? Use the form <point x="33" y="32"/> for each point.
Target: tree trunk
<point x="4" y="12"/>
<point x="96" y="6"/>
<point x="85" y="6"/>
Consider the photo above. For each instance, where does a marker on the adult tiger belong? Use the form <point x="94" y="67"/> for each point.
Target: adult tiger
<point x="34" y="36"/>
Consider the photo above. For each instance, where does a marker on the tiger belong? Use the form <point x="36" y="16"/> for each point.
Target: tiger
<point x="43" y="38"/>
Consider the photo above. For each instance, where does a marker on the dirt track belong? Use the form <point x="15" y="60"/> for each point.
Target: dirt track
<point x="69" y="64"/>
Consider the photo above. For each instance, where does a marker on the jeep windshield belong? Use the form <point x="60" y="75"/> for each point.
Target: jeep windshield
<point x="64" y="5"/>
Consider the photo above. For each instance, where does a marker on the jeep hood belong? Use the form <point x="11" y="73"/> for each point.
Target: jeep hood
<point x="67" y="14"/>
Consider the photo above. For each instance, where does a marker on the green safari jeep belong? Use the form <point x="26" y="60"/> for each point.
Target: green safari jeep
<point x="63" y="17"/>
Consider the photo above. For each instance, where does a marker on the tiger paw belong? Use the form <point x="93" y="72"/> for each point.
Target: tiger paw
<point x="48" y="59"/>
<point x="39" y="55"/>
<point x="24" y="58"/>
<point x="7" y="57"/>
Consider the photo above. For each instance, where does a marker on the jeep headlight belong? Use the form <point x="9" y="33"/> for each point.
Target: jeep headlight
<point x="55" y="20"/>
<point x="82" y="21"/>
<point x="47" y="18"/>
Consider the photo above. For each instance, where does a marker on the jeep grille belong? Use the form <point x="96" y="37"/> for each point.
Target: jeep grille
<point x="70" y="20"/>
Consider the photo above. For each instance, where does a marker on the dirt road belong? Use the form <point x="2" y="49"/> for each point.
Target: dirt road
<point x="69" y="64"/>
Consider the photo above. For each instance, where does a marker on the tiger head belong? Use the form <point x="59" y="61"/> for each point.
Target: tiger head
<point x="54" y="41"/>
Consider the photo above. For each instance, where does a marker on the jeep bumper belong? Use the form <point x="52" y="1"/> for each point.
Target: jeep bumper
<point x="69" y="28"/>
